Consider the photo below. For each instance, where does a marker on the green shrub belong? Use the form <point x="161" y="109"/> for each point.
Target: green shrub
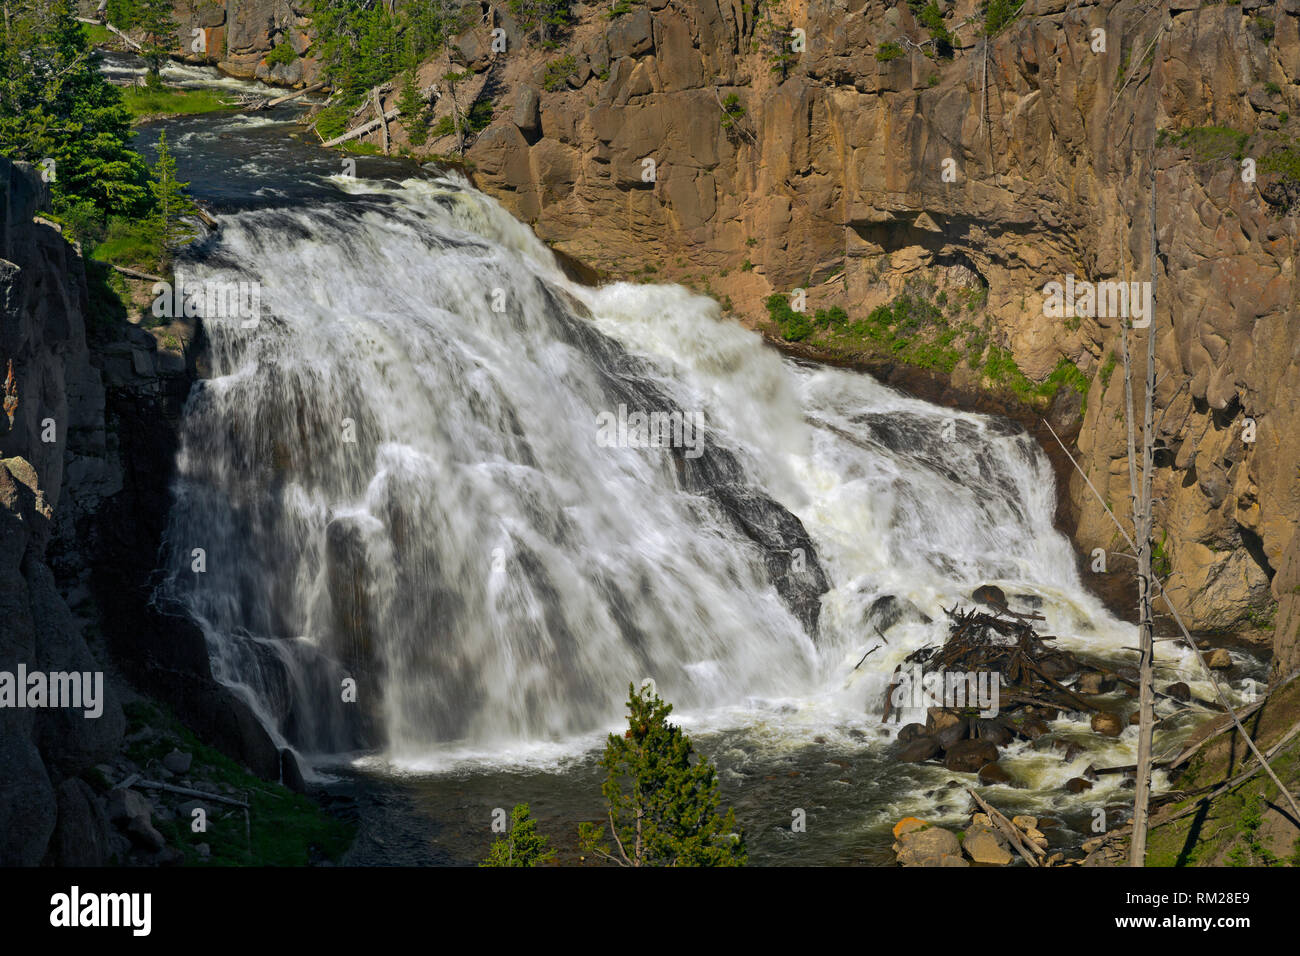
<point x="282" y="55"/>
<point x="732" y="111"/>
<point x="794" y="326"/>
<point x="888" y="51"/>
<point x="558" y="72"/>
<point x="998" y="13"/>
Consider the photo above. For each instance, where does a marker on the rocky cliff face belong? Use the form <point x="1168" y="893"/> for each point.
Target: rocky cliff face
<point x="52" y="426"/>
<point x="833" y="179"/>
<point x="87" y="446"/>
<point x="236" y="35"/>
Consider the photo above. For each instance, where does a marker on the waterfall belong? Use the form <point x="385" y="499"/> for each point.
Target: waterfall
<point x="398" y="475"/>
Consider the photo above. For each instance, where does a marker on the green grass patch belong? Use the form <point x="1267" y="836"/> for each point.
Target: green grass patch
<point x="1284" y="160"/>
<point x="98" y="35"/>
<point x="170" y="101"/>
<point x="134" y="244"/>
<point x="286" y="828"/>
<point x="1209" y="143"/>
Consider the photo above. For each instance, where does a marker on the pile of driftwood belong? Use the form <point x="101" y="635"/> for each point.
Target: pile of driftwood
<point x="1035" y="681"/>
<point x="1006" y="644"/>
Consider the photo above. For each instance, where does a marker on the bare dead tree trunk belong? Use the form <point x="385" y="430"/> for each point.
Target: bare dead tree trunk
<point x="379" y="112"/>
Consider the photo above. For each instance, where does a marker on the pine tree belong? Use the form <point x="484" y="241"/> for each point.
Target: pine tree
<point x="662" y="799"/>
<point x="171" y="202"/>
<point x="414" y="110"/>
<point x="55" y="105"/>
<point x="523" y="845"/>
<point x="154" y="17"/>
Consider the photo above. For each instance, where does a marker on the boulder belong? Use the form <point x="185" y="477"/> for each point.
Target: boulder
<point x="1077" y="785"/>
<point x="994" y="773"/>
<point x="936" y="719"/>
<point x="926" y="846"/>
<point x="1032" y="728"/>
<point x="985" y="845"/>
<point x="81" y="830"/>
<point x="911" y="732"/>
<point x="1179" y="691"/>
<point x="290" y="772"/>
<point x="126" y="805"/>
<point x="1091" y="683"/>
<point x="527" y="112"/>
<point x="1107" y="724"/>
<point x="968" y="756"/>
<point x="907" y="825"/>
<point x="990" y="595"/>
<point x="992" y="729"/>
<point x="1218" y="659"/>
<point x="952" y="734"/>
<point x="915" y="751"/>
<point x="178" y="762"/>
<point x="142" y="832"/>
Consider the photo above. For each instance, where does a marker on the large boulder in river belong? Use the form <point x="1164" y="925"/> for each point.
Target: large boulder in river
<point x="936" y="719"/>
<point x="910" y="732"/>
<point x="1179" y="691"/>
<point x="992" y="773"/>
<point x="915" y="751"/>
<point x="968" y="756"/>
<point x="992" y="729"/>
<point x="1218" y="659"/>
<point x="990" y="595"/>
<point x="952" y="734"/>
<point x="1109" y="725"/>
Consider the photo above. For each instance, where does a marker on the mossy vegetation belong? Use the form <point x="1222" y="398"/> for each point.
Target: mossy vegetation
<point x="142" y="101"/>
<point x="284" y="828"/>
<point x="924" y="330"/>
<point x="1207" y="143"/>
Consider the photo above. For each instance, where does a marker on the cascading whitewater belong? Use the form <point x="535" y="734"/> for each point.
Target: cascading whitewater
<point x="397" y="475"/>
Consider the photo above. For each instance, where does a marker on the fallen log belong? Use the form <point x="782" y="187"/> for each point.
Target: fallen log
<point x="125" y="39"/>
<point x="363" y="129"/>
<point x="190" y="792"/>
<point x="133" y="273"/>
<point x="293" y="96"/>
<point x="1009" y="831"/>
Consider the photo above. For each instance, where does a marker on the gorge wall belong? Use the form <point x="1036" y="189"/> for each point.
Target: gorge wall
<point x="831" y="179"/>
<point x="87" y="447"/>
